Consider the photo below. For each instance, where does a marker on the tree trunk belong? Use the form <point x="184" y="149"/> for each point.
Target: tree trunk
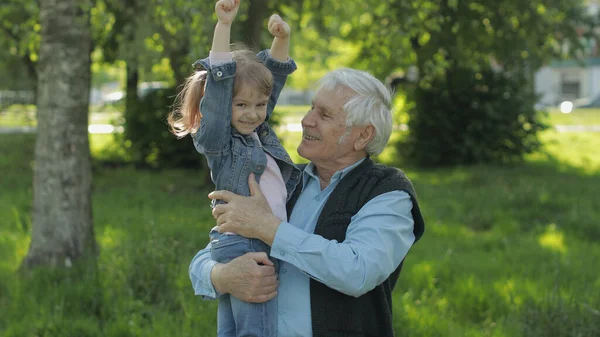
<point x="253" y="25"/>
<point x="62" y="212"/>
<point x="131" y="89"/>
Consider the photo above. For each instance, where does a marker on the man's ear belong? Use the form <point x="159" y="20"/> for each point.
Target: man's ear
<point x="364" y="138"/>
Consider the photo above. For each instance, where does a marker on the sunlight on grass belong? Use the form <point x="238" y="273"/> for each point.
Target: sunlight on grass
<point x="553" y="239"/>
<point x="576" y="149"/>
<point x="111" y="237"/>
<point x="99" y="142"/>
<point x="507" y="290"/>
<point x="576" y="117"/>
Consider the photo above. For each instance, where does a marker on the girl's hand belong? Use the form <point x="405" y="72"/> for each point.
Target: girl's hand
<point x="278" y="28"/>
<point x="227" y="10"/>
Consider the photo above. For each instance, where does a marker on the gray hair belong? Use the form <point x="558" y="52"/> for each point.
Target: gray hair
<point x="371" y="105"/>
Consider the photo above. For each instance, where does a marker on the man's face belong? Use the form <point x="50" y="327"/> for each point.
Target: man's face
<point x="324" y="138"/>
<point x="249" y="110"/>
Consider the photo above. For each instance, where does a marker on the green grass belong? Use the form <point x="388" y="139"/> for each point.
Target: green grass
<point x="508" y="251"/>
<point x="18" y="115"/>
<point x="576" y="117"/>
<point x="24" y="115"/>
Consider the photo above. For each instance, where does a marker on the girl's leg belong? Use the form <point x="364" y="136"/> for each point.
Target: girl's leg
<point x="244" y="319"/>
<point x="255" y="319"/>
<point x="225" y="322"/>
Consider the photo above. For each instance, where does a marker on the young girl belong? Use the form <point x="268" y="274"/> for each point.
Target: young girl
<point x="225" y="108"/>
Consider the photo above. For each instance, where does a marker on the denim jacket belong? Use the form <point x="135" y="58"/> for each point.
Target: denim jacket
<point x="232" y="156"/>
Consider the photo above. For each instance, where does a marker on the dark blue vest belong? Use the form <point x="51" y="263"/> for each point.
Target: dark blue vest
<point x="335" y="314"/>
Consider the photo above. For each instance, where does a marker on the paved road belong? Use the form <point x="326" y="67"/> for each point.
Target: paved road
<point x="107" y="128"/>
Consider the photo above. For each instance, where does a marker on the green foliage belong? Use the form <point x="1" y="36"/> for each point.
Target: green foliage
<point x="147" y="137"/>
<point x="467" y="118"/>
<point x="19" y="44"/>
<point x="433" y="38"/>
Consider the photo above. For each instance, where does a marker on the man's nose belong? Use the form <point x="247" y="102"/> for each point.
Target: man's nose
<point x="308" y="120"/>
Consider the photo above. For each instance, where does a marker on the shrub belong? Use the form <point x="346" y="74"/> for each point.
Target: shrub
<point x="147" y="136"/>
<point x="470" y="117"/>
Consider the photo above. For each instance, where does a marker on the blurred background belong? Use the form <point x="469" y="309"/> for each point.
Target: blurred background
<point x="496" y="121"/>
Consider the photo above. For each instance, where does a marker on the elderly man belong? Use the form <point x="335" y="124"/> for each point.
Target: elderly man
<point x="351" y="223"/>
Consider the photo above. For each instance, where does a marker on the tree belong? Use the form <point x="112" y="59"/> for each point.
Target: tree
<point x="464" y="51"/>
<point x="19" y="42"/>
<point x="62" y="212"/>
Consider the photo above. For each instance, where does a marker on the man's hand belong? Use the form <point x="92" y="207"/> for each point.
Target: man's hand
<point x="227" y="10"/>
<point x="250" y="217"/>
<point x="278" y="28"/>
<point x="250" y="278"/>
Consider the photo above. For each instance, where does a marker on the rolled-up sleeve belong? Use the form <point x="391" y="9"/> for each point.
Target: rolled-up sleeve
<point x="199" y="272"/>
<point x="377" y="240"/>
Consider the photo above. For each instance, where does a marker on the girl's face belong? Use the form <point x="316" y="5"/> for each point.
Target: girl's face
<point x="249" y="109"/>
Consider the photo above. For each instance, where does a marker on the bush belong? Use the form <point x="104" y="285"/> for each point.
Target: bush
<point x="468" y="117"/>
<point x="147" y="137"/>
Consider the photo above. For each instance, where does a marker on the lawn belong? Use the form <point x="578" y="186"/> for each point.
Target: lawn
<point x="24" y="115"/>
<point x="575" y="117"/>
<point x="508" y="251"/>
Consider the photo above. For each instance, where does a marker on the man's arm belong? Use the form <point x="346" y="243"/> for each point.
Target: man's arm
<point x="250" y="277"/>
<point x="377" y="240"/>
<point x="200" y="274"/>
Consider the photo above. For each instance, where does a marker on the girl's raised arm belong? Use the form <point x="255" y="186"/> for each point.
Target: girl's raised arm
<point x="281" y="38"/>
<point x="226" y="12"/>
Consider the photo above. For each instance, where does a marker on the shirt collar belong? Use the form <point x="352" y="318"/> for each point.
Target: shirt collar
<point x="309" y="173"/>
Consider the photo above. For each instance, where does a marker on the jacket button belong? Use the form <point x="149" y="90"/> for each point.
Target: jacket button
<point x="219" y="73"/>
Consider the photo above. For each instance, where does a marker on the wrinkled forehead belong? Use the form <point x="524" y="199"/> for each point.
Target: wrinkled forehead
<point x="333" y="99"/>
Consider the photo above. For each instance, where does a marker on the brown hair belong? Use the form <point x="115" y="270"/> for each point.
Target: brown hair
<point x="250" y="71"/>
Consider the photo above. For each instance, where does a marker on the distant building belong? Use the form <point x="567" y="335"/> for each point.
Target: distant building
<point x="570" y="80"/>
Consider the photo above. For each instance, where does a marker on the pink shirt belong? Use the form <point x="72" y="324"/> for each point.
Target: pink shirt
<point x="272" y="186"/>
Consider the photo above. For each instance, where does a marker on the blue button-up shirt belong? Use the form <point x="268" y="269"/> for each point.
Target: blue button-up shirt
<point x="378" y="238"/>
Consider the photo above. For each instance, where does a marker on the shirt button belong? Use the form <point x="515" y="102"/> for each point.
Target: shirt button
<point x="219" y="73"/>
<point x="283" y="271"/>
<point x="282" y="252"/>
